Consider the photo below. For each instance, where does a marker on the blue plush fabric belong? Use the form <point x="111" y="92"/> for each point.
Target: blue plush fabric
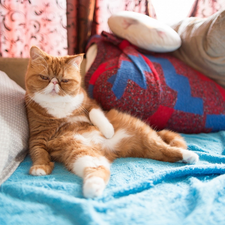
<point x="140" y="191"/>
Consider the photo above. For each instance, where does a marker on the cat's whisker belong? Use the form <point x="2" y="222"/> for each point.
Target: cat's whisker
<point x="27" y="102"/>
<point x="83" y="109"/>
<point x="65" y="94"/>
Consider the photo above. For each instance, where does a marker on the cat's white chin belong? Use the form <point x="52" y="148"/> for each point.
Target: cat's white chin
<point x="51" y="89"/>
<point x="58" y="106"/>
<point x="51" y="97"/>
<point x="53" y="93"/>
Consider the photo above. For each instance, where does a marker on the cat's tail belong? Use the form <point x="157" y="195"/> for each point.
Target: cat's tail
<point x="172" y="138"/>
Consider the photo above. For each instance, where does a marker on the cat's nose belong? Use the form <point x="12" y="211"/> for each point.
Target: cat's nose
<point x="54" y="81"/>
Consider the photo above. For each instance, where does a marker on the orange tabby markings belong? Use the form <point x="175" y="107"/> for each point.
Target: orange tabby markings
<point x="172" y="138"/>
<point x="69" y="127"/>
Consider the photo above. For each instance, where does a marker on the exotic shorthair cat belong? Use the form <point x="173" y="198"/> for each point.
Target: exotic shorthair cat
<point x="69" y="127"/>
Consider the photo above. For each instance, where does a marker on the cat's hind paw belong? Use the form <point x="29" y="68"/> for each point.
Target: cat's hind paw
<point x="93" y="187"/>
<point x="189" y="157"/>
<point x="41" y="170"/>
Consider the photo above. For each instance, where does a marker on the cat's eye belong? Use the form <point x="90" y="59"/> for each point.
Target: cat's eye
<point x="44" y="77"/>
<point x="65" y="80"/>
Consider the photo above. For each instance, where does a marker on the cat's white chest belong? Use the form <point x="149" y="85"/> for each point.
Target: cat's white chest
<point x="59" y="106"/>
<point x="59" y="110"/>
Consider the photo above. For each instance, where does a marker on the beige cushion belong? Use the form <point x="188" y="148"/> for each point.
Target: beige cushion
<point x="13" y="126"/>
<point x="15" y="68"/>
<point x="203" y="45"/>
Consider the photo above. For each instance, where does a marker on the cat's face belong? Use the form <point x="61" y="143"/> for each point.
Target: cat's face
<point x="52" y="77"/>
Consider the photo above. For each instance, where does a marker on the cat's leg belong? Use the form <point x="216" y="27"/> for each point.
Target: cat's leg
<point x="83" y="158"/>
<point x="169" y="153"/>
<point x="41" y="159"/>
<point x="99" y="119"/>
<point x="172" y="138"/>
<point x="142" y="141"/>
<point x="95" y="172"/>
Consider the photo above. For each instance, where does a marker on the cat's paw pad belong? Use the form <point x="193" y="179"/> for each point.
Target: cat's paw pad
<point x="190" y="157"/>
<point x="93" y="187"/>
<point x="107" y="130"/>
<point x="41" y="170"/>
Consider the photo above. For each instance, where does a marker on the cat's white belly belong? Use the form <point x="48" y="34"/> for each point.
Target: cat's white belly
<point x="95" y="137"/>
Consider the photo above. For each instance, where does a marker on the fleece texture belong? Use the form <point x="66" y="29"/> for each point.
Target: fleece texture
<point x="140" y="191"/>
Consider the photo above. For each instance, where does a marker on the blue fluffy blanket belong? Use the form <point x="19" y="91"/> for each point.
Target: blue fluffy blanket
<point x="140" y="191"/>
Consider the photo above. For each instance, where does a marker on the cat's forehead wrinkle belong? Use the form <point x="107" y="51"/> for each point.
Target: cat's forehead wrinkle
<point x="69" y="67"/>
<point x="55" y="67"/>
<point x="40" y="67"/>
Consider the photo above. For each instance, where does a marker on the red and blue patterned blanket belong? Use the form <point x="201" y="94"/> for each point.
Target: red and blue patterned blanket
<point x="157" y="88"/>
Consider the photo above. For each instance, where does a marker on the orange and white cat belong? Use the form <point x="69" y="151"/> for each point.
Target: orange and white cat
<point x="69" y="127"/>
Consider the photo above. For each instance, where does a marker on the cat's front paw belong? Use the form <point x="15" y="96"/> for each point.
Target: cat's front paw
<point x="107" y="130"/>
<point x="189" y="157"/>
<point x="41" y="170"/>
<point x="93" y="187"/>
<point x="98" y="118"/>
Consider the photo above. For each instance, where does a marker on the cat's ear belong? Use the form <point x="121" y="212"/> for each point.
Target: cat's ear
<point x="36" y="53"/>
<point x="76" y="60"/>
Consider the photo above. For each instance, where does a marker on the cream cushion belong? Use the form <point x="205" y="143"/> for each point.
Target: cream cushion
<point x="203" y="45"/>
<point x="144" y="31"/>
<point x="13" y="126"/>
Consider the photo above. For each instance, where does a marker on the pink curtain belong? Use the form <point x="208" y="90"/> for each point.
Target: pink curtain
<point x="80" y="15"/>
<point x="105" y="8"/>
<point x="205" y="8"/>
<point x="24" y="23"/>
<point x="89" y="17"/>
<point x="63" y="27"/>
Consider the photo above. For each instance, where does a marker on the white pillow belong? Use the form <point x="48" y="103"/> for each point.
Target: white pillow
<point x="90" y="56"/>
<point x="13" y="126"/>
<point x="144" y="31"/>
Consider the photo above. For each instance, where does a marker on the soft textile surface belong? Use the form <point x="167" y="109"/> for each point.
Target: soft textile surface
<point x="158" y="88"/>
<point x="144" y="31"/>
<point x="203" y="45"/>
<point x="140" y="191"/>
<point x="13" y="126"/>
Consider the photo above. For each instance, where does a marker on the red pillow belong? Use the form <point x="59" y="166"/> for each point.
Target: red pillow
<point x="158" y="88"/>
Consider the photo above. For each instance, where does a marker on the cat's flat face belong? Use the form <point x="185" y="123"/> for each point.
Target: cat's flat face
<point x="53" y="78"/>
